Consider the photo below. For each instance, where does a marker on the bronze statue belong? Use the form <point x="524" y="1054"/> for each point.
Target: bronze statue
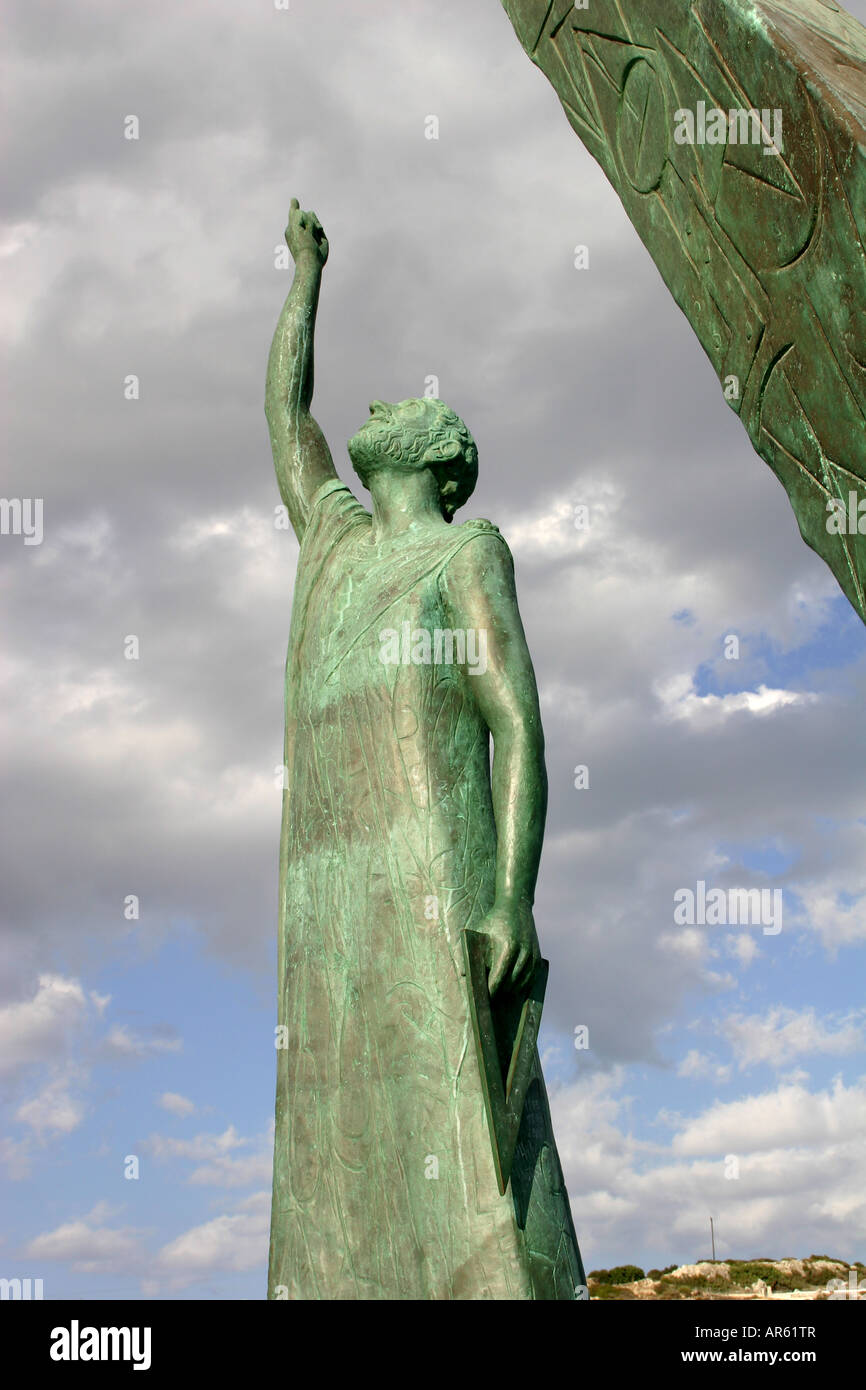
<point x="406" y="655"/>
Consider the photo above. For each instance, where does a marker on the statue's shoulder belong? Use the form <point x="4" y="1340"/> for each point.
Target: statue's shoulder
<point x="480" y="523"/>
<point x="493" y="540"/>
<point x="336" y="494"/>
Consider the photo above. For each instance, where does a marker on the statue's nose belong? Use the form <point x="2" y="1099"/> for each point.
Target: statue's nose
<point x="376" y="406"/>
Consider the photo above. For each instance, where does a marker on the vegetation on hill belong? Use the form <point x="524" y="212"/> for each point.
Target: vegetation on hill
<point x="717" y="1279"/>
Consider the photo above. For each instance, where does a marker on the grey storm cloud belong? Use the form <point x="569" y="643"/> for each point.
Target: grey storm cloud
<point x="451" y="257"/>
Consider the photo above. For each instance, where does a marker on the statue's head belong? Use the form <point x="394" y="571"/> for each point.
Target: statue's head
<point x="413" y="435"/>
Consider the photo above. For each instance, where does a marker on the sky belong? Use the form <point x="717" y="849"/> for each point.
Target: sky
<point x="144" y="640"/>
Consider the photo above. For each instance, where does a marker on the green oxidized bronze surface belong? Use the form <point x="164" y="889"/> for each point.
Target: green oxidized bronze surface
<point x="758" y="226"/>
<point x="406" y="654"/>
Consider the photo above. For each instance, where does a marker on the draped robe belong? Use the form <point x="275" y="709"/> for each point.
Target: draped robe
<point x="384" y="1185"/>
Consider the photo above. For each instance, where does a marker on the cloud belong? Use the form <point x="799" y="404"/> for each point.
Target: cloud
<point x="235" y="1241"/>
<point x="789" y="1116"/>
<point x="744" y="948"/>
<point x="120" y="1042"/>
<point x="90" y="1245"/>
<point x="176" y="1104"/>
<point x="679" y="701"/>
<point x="782" y="1034"/>
<point x="836" y="911"/>
<point x="54" y="1109"/>
<point x="55" y="1031"/>
<point x="698" y="1066"/>
<point x="235" y="1172"/>
<point x="797" y="1175"/>
<point x="16" y="1156"/>
<point x="38" y="1029"/>
<point x="219" y="1166"/>
<point x="201" y="1146"/>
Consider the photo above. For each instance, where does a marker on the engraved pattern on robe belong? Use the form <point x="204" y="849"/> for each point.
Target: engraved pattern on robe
<point x="388" y="852"/>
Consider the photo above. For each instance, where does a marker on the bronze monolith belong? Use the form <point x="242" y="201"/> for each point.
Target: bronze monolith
<point x="734" y="131"/>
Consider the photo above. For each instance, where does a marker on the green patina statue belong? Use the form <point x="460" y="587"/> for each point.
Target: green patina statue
<point x="734" y="131"/>
<point x="407" y="871"/>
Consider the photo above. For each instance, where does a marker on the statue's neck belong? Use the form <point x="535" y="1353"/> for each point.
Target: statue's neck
<point x="404" y="502"/>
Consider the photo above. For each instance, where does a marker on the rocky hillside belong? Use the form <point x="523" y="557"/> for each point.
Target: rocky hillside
<point x="741" y="1279"/>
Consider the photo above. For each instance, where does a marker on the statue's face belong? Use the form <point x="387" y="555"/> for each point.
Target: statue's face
<point x="389" y="433"/>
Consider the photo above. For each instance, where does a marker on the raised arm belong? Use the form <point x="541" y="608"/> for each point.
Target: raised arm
<point x="302" y="459"/>
<point x="480" y="595"/>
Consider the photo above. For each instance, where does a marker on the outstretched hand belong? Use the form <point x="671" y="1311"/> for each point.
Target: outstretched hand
<point x="305" y="235"/>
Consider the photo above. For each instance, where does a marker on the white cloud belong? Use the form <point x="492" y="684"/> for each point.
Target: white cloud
<point x="201" y="1146"/>
<point x="38" y="1029"/>
<point x="678" y="700"/>
<point x="789" y="1116"/>
<point x="235" y="1172"/>
<point x="570" y="524"/>
<point x="743" y="947"/>
<point x="229" y="1242"/>
<point x="689" y="942"/>
<point x="53" y="1109"/>
<point x="121" y="1042"/>
<point x="90" y="1245"/>
<point x="783" y="1033"/>
<point x="219" y="1165"/>
<point x="176" y="1104"/>
<point x="835" y="911"/>
<point x="697" y="1065"/>
<point x="797" y="1185"/>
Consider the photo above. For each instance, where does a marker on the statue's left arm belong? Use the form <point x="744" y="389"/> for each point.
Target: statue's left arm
<point x="480" y="595"/>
